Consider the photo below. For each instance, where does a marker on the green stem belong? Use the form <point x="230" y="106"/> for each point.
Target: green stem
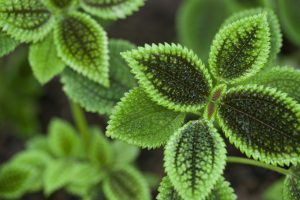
<point x="81" y="123"/>
<point x="246" y="161"/>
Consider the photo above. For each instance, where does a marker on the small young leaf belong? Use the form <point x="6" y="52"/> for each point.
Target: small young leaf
<point x="195" y="157"/>
<point x="14" y="181"/>
<point x="241" y="48"/>
<point x="26" y="20"/>
<point x="285" y="79"/>
<point x="95" y="97"/>
<point x="111" y="9"/>
<point x="7" y="44"/>
<point x="275" y="33"/>
<point x="82" y="44"/>
<point x="124" y="153"/>
<point x="274" y="192"/>
<point x="291" y="187"/>
<point x="126" y="184"/>
<point x="63" y="139"/>
<point x="172" y="75"/>
<point x="44" y="61"/>
<point x="140" y="121"/>
<point x="263" y="123"/>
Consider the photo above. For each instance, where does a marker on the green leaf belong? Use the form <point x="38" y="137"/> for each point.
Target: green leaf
<point x="60" y="5"/>
<point x="195" y="157"/>
<point x="199" y="35"/>
<point x="95" y="97"/>
<point x="44" y="61"/>
<point x="274" y="192"/>
<point x="140" y="121"/>
<point x="289" y="15"/>
<point x="285" y="79"/>
<point x="262" y="122"/>
<point x="126" y="184"/>
<point x="172" y="75"/>
<point x="82" y="44"/>
<point x="14" y="181"/>
<point x="39" y="143"/>
<point x="124" y="153"/>
<point x="26" y="20"/>
<point x="240" y="49"/>
<point x="7" y="44"/>
<point x="275" y="32"/>
<point x="63" y="139"/>
<point x="291" y="187"/>
<point x="111" y="9"/>
<point x="167" y="191"/>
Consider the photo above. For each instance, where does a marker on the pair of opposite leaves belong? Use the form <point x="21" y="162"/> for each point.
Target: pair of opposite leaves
<point x="262" y="122"/>
<point x="79" y="40"/>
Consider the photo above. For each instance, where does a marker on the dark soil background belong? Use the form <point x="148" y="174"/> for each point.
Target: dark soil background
<point x="155" y="22"/>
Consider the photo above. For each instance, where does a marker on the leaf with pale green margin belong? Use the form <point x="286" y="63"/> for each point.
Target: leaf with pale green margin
<point x="140" y="121"/>
<point x="124" y="153"/>
<point x="44" y="60"/>
<point x="240" y="49"/>
<point x="221" y="191"/>
<point x="275" y="32"/>
<point x="111" y="9"/>
<point x="82" y="43"/>
<point x="289" y="16"/>
<point x="7" y="44"/>
<point x="291" y="187"/>
<point x="26" y="20"/>
<point x="172" y="75"/>
<point x="262" y="123"/>
<point x="274" y="192"/>
<point x="285" y="79"/>
<point x="15" y="181"/>
<point x="126" y="183"/>
<point x="197" y="12"/>
<point x="195" y="157"/>
<point x="94" y="97"/>
<point x="99" y="151"/>
<point x="63" y="139"/>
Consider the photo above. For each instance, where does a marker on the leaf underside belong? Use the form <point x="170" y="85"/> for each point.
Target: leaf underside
<point x="7" y="44"/>
<point x="172" y="75"/>
<point x="291" y="187"/>
<point x="240" y="49"/>
<point x="126" y="184"/>
<point x="82" y="44"/>
<point x="263" y="123"/>
<point x="26" y="20"/>
<point x="94" y="97"/>
<point x="111" y="9"/>
<point x="194" y="159"/>
<point x="140" y="121"/>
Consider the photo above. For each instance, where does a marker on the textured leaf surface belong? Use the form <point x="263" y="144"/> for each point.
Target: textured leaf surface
<point x="199" y="35"/>
<point x="14" y="181"/>
<point x="26" y="20"/>
<point x="111" y="9"/>
<point x="289" y="15"/>
<point x="7" y="44"/>
<point x="95" y="97"/>
<point x="194" y="159"/>
<point x="221" y="191"/>
<point x="44" y="60"/>
<point x="263" y="123"/>
<point x="140" y="121"/>
<point x="291" y="188"/>
<point x="82" y="44"/>
<point x="275" y="32"/>
<point x="285" y="79"/>
<point x="240" y="49"/>
<point x="63" y="139"/>
<point x="126" y="184"/>
<point x="172" y="75"/>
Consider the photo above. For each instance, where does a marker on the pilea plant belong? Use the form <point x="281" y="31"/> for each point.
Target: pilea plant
<point x="257" y="111"/>
<point x="62" y="33"/>
<point x="62" y="160"/>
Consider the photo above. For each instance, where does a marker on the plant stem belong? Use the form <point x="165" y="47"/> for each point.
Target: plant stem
<point x="81" y="123"/>
<point x="246" y="161"/>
